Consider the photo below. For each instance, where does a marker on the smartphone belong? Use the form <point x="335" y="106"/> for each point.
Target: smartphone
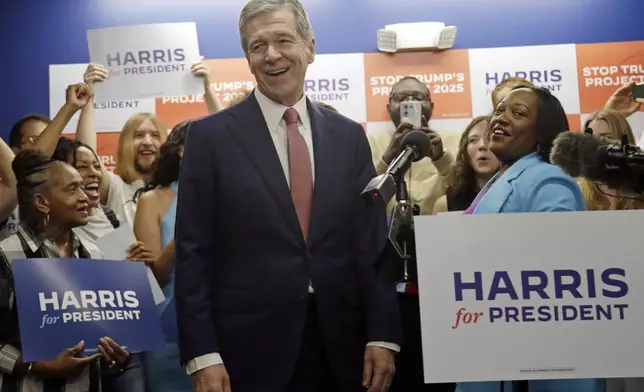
<point x="411" y="112"/>
<point x="638" y="91"/>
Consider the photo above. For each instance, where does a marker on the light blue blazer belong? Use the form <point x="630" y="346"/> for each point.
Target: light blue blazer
<point x="532" y="185"/>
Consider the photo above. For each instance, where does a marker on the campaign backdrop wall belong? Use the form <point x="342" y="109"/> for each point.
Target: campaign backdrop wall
<point x="582" y="76"/>
<point x="38" y="33"/>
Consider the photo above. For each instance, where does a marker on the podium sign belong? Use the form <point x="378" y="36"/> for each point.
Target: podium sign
<point x="531" y="296"/>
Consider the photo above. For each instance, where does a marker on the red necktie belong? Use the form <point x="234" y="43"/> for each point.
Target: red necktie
<point x="301" y="176"/>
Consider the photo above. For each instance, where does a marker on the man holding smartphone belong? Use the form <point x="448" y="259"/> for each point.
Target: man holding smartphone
<point x="410" y="107"/>
<point x="427" y="178"/>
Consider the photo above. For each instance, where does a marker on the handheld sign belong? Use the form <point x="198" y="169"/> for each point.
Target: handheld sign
<point x="531" y="296"/>
<point x="114" y="246"/>
<point x="146" y="61"/>
<point x="109" y="116"/>
<point x="63" y="301"/>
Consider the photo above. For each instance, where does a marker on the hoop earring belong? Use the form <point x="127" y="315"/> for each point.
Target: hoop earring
<point x="46" y="220"/>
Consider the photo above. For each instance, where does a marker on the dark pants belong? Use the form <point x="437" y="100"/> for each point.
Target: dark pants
<point x="131" y="379"/>
<point x="409" y="362"/>
<point x="312" y="373"/>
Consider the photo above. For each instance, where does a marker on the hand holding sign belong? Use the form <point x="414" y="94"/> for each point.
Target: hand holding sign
<point x="201" y="70"/>
<point x="138" y="251"/>
<point x="112" y="354"/>
<point x="65" y="365"/>
<point x="95" y="73"/>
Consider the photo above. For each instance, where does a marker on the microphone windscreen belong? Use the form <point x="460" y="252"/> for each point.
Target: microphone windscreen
<point x="418" y="140"/>
<point x="576" y="154"/>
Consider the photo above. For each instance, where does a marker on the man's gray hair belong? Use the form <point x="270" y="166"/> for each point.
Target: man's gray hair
<point x="254" y="8"/>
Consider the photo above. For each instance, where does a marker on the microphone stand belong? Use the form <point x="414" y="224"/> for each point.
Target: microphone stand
<point x="401" y="230"/>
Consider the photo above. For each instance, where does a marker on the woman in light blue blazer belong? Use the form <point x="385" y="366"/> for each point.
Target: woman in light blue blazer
<point x="522" y="130"/>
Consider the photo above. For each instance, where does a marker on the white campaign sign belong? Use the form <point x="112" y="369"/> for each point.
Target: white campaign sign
<point x="338" y="80"/>
<point x="553" y="67"/>
<point x="146" y="61"/>
<point x="108" y="116"/>
<point x="531" y="296"/>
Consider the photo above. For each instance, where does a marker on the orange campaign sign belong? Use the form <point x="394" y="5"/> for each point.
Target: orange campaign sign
<point x="446" y="74"/>
<point x="229" y="78"/>
<point x="107" y="145"/>
<point x="603" y="68"/>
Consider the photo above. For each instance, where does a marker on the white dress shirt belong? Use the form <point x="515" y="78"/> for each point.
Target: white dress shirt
<point x="273" y="113"/>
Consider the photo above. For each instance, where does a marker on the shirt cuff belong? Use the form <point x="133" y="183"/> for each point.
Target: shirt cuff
<point x="389" y="346"/>
<point x="381" y="167"/>
<point x="202" y="362"/>
<point x="8" y="357"/>
<point x="444" y="164"/>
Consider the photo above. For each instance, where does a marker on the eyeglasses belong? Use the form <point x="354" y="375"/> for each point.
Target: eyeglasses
<point x="415" y="96"/>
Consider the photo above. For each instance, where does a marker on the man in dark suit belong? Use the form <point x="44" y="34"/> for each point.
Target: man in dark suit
<point x="275" y="281"/>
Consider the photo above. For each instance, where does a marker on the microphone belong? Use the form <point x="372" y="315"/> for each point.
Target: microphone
<point x="600" y="159"/>
<point x="401" y="245"/>
<point x="576" y="154"/>
<point x="382" y="188"/>
<point x="615" y="157"/>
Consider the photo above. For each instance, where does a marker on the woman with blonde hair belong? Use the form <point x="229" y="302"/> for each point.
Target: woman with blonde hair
<point x="598" y="197"/>
<point x="139" y="145"/>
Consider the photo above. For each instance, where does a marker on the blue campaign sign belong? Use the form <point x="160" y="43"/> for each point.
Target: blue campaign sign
<point x="63" y="301"/>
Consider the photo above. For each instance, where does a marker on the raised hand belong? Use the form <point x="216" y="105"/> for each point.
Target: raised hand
<point x="622" y="101"/>
<point x="201" y="70"/>
<point x="95" y="73"/>
<point x="78" y="95"/>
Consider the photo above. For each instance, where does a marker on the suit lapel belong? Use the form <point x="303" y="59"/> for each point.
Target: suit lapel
<point x="253" y="136"/>
<point x="495" y="198"/>
<point x="324" y="168"/>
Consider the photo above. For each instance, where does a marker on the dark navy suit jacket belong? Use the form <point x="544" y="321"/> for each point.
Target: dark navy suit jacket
<point x="243" y="266"/>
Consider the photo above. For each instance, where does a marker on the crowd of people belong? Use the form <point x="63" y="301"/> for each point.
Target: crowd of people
<point x="251" y="221"/>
